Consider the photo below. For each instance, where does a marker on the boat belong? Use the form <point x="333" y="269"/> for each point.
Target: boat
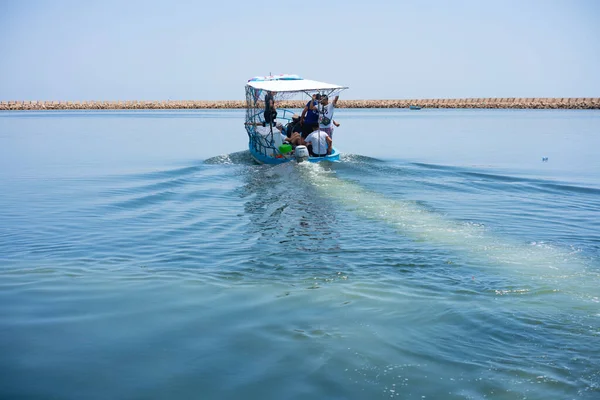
<point x="264" y="139"/>
<point x="414" y="107"/>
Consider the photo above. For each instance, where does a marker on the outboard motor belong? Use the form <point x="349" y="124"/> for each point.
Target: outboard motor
<point x="301" y="153"/>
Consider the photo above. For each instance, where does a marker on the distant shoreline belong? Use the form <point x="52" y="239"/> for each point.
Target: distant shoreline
<point x="588" y="103"/>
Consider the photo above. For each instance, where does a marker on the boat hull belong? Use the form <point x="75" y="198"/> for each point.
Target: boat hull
<point x="263" y="159"/>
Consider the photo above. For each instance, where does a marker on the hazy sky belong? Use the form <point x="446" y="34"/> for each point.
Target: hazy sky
<point x="159" y="50"/>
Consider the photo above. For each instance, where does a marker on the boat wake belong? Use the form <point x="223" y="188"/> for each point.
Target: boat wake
<point x="416" y="220"/>
<point x="237" y="158"/>
<point x="550" y="267"/>
<point x="244" y="158"/>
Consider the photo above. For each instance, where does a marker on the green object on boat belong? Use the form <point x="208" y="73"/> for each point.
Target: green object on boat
<point x="285" y="148"/>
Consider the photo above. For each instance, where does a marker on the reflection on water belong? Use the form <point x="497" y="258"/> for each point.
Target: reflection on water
<point x="284" y="208"/>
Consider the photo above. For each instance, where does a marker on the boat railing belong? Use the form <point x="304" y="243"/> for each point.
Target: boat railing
<point x="264" y="145"/>
<point x="255" y="108"/>
<point x="285" y="116"/>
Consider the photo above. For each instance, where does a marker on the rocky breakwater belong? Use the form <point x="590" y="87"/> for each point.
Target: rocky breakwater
<point x="120" y="105"/>
<point x="588" y="103"/>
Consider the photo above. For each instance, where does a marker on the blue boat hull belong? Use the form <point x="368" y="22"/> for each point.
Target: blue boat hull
<point x="263" y="159"/>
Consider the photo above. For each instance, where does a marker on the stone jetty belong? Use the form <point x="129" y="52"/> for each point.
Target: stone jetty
<point x="587" y="103"/>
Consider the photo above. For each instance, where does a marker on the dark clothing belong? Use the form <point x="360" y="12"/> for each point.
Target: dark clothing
<point x="270" y="112"/>
<point x="292" y="127"/>
<point x="270" y="116"/>
<point x="268" y="100"/>
<point x="312" y="116"/>
<point x="306" y="130"/>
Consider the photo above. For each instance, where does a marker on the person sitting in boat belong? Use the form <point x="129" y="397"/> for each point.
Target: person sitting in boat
<point x="270" y="113"/>
<point x="293" y="126"/>
<point x="265" y="128"/>
<point x="279" y="137"/>
<point x="295" y="139"/>
<point x="326" y="114"/>
<point x="318" y="142"/>
<point x="310" y="115"/>
<point x="293" y="131"/>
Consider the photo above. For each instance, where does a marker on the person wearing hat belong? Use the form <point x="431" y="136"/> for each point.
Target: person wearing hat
<point x="326" y="115"/>
<point x="293" y="131"/>
<point x="276" y="132"/>
<point x="293" y="126"/>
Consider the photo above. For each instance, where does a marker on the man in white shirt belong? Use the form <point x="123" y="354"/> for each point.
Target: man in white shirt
<point x="319" y="143"/>
<point x="326" y="114"/>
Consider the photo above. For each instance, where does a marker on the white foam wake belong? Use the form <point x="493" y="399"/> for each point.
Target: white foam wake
<point x="412" y="220"/>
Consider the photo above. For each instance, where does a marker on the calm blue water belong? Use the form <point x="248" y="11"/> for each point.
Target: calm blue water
<point x="143" y="255"/>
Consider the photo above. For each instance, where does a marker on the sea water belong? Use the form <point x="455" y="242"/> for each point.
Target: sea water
<point x="144" y="255"/>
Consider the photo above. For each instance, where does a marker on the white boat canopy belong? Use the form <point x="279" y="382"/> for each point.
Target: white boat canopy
<point x="290" y="83"/>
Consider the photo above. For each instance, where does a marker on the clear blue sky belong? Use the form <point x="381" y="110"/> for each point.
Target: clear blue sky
<point x="159" y="50"/>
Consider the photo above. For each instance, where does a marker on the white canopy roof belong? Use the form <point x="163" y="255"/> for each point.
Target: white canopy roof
<point x="292" y="85"/>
